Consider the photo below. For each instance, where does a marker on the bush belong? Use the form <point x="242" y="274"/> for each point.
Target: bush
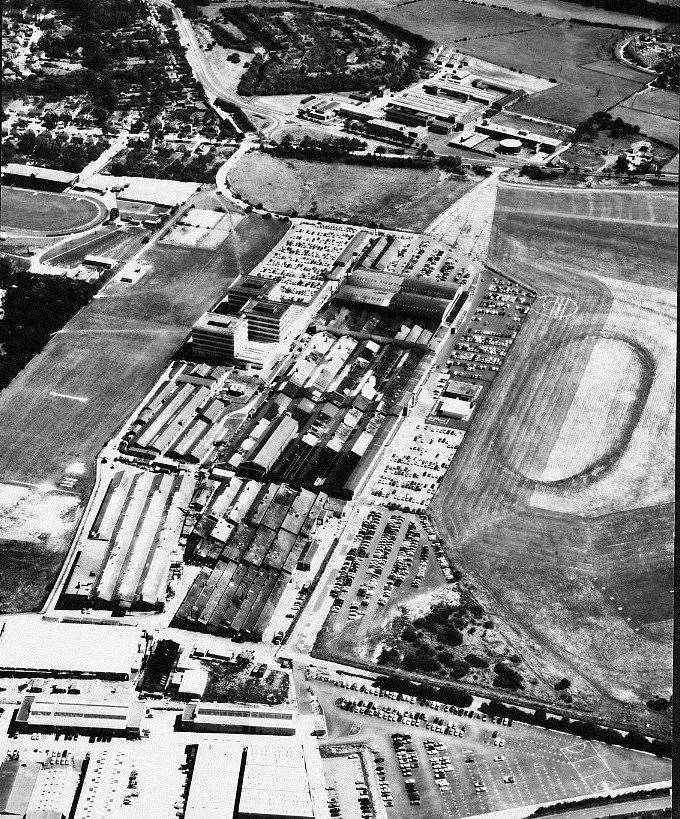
<point x="562" y="684"/>
<point x="475" y="661"/>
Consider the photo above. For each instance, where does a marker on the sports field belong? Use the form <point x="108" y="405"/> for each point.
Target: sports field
<point x="71" y="398"/>
<point x="407" y="198"/>
<point x="53" y="214"/>
<point x="589" y="595"/>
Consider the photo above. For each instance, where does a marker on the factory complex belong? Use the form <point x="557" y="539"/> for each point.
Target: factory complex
<point x="458" y="99"/>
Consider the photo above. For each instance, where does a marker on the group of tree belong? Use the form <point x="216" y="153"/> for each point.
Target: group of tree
<point x="34" y="307"/>
<point x="310" y="53"/>
<point x="57" y="150"/>
<point x="639" y="8"/>
<point x="602" y="121"/>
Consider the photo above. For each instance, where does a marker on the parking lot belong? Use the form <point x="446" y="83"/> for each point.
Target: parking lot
<point x="389" y="558"/>
<point x="472" y="774"/>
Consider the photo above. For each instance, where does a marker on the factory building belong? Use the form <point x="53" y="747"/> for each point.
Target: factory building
<point x="227" y="718"/>
<point x="32" y="176"/>
<point x="49" y="714"/>
<point x="218" y="337"/>
<point x="55" y="789"/>
<point x="104" y="784"/>
<point x="60" y="649"/>
<point x="265" y="455"/>
<point x="240" y="779"/>
<point x="269" y="322"/>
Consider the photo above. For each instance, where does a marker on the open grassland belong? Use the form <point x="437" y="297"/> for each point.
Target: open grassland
<point x="588" y="595"/>
<point x="101" y="364"/>
<point x="560" y="52"/>
<point x="632" y="234"/>
<point x="24" y="210"/>
<point x="406" y="198"/>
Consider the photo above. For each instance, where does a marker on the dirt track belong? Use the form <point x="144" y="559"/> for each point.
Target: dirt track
<point x="587" y="597"/>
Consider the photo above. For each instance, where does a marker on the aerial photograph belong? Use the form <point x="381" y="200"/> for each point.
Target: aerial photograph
<point x="337" y="408"/>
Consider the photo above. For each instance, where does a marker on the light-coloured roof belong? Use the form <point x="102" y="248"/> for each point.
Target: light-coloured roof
<point x="17" y="169"/>
<point x="165" y="192"/>
<point x="275" y="782"/>
<point x="70" y="647"/>
<point x="214" y="780"/>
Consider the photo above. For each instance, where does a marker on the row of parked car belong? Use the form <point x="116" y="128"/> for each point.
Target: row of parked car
<point x="408" y="762"/>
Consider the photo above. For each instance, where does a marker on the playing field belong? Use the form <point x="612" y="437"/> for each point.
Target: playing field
<point x="565" y="517"/>
<point x="407" y="198"/>
<point x="53" y="214"/>
<point x="72" y="397"/>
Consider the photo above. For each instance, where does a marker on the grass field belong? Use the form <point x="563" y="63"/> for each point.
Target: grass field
<point x="105" y="360"/>
<point x="588" y="596"/>
<point x="560" y="52"/>
<point x="406" y="198"/>
<point x="49" y="213"/>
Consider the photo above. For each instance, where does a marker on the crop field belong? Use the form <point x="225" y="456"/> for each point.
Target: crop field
<point x="560" y="51"/>
<point x="30" y="211"/>
<point x="72" y="397"/>
<point x="406" y="198"/>
<point x="589" y="594"/>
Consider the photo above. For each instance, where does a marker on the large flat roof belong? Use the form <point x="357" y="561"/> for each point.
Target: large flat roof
<point x="17" y="169"/>
<point x="214" y="780"/>
<point x="275" y="782"/>
<point x="74" y="648"/>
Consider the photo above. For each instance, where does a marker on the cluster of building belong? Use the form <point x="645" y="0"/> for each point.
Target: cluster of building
<point x="129" y="544"/>
<point x="251" y="538"/>
<point x="265" y="311"/>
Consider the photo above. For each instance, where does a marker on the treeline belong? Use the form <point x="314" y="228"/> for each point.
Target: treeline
<point x="34" y="307"/>
<point x="425" y="691"/>
<point x="596" y="801"/>
<point x="586" y="730"/>
<point x="640" y="8"/>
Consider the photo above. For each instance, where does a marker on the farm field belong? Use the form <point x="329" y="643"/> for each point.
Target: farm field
<point x="100" y="365"/>
<point x="559" y="51"/>
<point x="406" y="198"/>
<point x="589" y="595"/>
<point x="448" y="22"/>
<point x="661" y="128"/>
<point x="656" y="101"/>
<point x="23" y="210"/>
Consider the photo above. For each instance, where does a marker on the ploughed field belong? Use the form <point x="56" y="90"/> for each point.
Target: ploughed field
<point x="23" y="210"/>
<point x="560" y="500"/>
